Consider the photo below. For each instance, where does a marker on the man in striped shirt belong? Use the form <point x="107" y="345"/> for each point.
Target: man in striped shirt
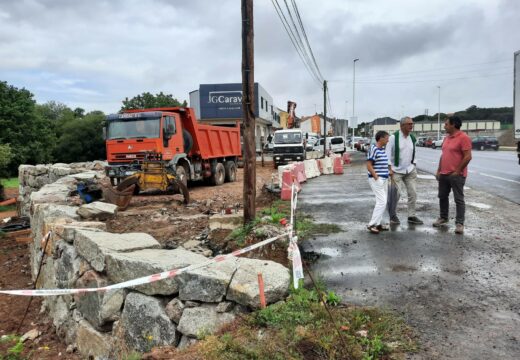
<point x="378" y="173"/>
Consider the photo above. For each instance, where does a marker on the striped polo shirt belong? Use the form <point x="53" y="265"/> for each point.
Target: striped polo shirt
<point x="379" y="160"/>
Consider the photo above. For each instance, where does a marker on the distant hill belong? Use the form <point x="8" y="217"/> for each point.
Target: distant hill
<point x="502" y="114"/>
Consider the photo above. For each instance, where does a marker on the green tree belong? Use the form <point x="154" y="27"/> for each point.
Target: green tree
<point x="82" y="139"/>
<point x="5" y="159"/>
<point x="30" y="136"/>
<point x="147" y="100"/>
<point x="57" y="114"/>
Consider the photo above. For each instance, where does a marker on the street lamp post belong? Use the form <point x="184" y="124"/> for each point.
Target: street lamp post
<point x="439" y="116"/>
<point x="345" y="131"/>
<point x="353" y="99"/>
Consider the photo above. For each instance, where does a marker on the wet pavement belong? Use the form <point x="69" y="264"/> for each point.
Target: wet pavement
<point x="461" y="293"/>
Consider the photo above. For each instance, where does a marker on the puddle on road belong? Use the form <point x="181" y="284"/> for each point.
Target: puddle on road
<point x="479" y="205"/>
<point x="402" y="268"/>
<point x="354" y="270"/>
<point x="328" y="251"/>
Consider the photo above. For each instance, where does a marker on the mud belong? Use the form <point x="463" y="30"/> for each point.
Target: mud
<point x="460" y="293"/>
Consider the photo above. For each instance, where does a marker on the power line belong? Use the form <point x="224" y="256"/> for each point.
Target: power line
<point x="296" y="39"/>
<point x="305" y="36"/>
<point x="432" y="80"/>
<point x="292" y="37"/>
<point x="437" y="69"/>
<point x="411" y="76"/>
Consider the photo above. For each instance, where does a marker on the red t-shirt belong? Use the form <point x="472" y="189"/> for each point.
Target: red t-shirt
<point x="452" y="152"/>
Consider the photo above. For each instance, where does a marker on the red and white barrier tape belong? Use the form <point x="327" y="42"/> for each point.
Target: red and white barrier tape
<point x="293" y="251"/>
<point x="142" y="280"/>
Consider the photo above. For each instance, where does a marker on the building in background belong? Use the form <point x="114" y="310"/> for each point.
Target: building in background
<point x="384" y="124"/>
<point x="429" y="128"/>
<point x="314" y="125"/>
<point x="221" y="104"/>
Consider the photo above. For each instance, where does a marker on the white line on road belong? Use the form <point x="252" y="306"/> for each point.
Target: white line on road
<point x="499" y="178"/>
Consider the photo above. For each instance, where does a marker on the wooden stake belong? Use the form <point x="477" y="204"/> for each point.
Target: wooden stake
<point x="248" y="102"/>
<point x="261" y="290"/>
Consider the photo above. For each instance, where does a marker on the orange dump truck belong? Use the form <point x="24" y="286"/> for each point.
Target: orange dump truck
<point x="190" y="150"/>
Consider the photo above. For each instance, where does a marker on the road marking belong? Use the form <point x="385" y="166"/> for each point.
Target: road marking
<point x="426" y="177"/>
<point x="499" y="178"/>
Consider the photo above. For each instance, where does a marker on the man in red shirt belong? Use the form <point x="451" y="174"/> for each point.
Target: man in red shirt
<point x="452" y="172"/>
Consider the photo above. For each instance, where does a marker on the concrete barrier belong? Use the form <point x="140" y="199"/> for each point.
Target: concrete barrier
<point x="300" y="170"/>
<point x="326" y="166"/>
<point x="311" y="169"/>
<point x="338" y="165"/>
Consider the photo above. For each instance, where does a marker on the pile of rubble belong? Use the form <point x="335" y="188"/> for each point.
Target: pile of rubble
<point x="33" y="177"/>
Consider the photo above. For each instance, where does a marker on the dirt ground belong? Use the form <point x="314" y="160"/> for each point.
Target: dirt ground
<point x="161" y="216"/>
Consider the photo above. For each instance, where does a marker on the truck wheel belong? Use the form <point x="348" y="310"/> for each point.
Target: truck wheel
<point x="219" y="175"/>
<point x="231" y="171"/>
<point x="180" y="171"/>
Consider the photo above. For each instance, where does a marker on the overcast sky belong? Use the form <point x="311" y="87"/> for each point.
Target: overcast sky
<point x="92" y="54"/>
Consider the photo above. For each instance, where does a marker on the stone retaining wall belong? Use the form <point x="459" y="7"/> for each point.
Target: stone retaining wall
<point x="33" y="177"/>
<point x="106" y="325"/>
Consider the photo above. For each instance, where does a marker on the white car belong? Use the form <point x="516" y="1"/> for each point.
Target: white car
<point x="437" y="143"/>
<point x="337" y="144"/>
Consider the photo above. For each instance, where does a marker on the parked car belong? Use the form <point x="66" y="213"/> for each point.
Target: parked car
<point x="311" y="141"/>
<point x="359" y="144"/>
<point x="337" y="144"/>
<point x="428" y="142"/>
<point x="438" y="143"/>
<point x="368" y="145"/>
<point x="485" y="142"/>
<point x="421" y="140"/>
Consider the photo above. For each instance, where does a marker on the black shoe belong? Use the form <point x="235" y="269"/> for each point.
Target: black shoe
<point x="394" y="220"/>
<point x="383" y="227"/>
<point x="415" y="220"/>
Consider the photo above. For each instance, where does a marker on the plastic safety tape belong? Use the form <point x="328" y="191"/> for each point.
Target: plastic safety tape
<point x="142" y="280"/>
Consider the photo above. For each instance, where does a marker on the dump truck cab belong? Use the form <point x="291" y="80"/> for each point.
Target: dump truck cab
<point x="129" y="136"/>
<point x="189" y="150"/>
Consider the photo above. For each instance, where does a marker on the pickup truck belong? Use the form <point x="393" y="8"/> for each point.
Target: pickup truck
<point x="437" y="143"/>
<point x="189" y="150"/>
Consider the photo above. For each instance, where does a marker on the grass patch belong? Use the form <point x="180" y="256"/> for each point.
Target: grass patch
<point x="10" y="182"/>
<point x="300" y="328"/>
<point x="305" y="226"/>
<point x="13" y="348"/>
<point x="7" y="208"/>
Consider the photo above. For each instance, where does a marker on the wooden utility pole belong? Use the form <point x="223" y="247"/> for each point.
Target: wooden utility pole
<point x="248" y="102"/>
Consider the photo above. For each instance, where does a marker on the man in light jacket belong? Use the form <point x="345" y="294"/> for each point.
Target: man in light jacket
<point x="400" y="151"/>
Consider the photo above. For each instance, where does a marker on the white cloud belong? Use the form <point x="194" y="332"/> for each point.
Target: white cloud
<point x="93" y="54"/>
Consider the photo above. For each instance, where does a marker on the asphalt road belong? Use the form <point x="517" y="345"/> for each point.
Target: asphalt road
<point x="459" y="292"/>
<point x="496" y="172"/>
